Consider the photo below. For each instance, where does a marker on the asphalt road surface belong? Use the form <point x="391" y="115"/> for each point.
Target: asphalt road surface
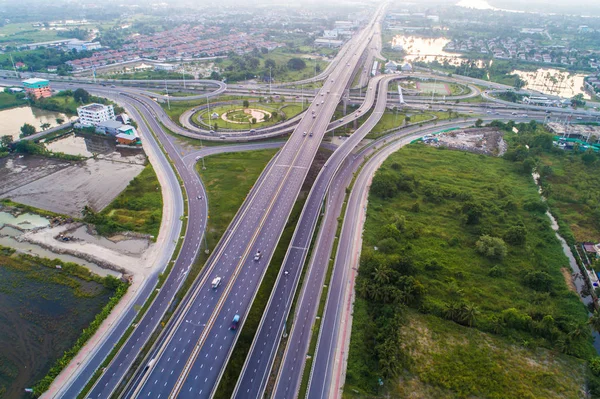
<point x="192" y="356"/>
<point x="254" y="375"/>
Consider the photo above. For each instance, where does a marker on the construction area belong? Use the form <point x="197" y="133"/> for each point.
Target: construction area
<point x="588" y="133"/>
<point x="488" y="140"/>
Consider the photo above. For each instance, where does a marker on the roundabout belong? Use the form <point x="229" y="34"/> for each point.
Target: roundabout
<point x="246" y="115"/>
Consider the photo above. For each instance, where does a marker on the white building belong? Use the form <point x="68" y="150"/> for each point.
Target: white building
<point x="80" y="45"/>
<point x="164" y="67"/>
<point x="93" y="114"/>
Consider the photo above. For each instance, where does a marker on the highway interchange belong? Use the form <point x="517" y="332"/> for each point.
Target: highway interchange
<point x="192" y="352"/>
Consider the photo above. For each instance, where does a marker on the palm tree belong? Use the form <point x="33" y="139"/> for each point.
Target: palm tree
<point x="468" y="313"/>
<point x="451" y="310"/>
<point x="594" y="320"/>
<point x="382" y="275"/>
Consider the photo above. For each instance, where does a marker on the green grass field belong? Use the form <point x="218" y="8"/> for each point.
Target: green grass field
<point x="390" y="120"/>
<point x="25" y="33"/>
<point x="570" y="185"/>
<point x="424" y="250"/>
<point x="451" y="361"/>
<point x="228" y="178"/>
<point x="8" y="100"/>
<point x="138" y="208"/>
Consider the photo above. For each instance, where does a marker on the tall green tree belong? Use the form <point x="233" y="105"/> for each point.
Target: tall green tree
<point x="27" y="130"/>
<point x="81" y="96"/>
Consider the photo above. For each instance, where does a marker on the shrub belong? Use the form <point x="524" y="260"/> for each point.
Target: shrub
<point x="491" y="247"/>
<point x="535" y="205"/>
<point x="516" y="235"/>
<point x="538" y="280"/>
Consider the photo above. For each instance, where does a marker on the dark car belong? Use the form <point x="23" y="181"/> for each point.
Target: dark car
<point x="235" y="322"/>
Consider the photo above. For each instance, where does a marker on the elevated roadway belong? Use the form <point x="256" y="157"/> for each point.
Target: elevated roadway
<point x="191" y="357"/>
<point x="254" y="375"/>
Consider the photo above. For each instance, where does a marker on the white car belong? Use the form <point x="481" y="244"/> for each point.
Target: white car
<point x="216" y="283"/>
<point x="257" y="256"/>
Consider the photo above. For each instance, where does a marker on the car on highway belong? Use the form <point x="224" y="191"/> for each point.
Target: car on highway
<point x="235" y="322"/>
<point x="579" y="118"/>
<point x="199" y="197"/>
<point x="216" y="283"/>
<point x="310" y="135"/>
<point x="513" y="113"/>
<point x="304" y="134"/>
<point x="258" y="254"/>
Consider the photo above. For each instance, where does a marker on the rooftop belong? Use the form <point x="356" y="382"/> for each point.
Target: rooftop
<point x="93" y="107"/>
<point x="33" y="81"/>
<point x="110" y="124"/>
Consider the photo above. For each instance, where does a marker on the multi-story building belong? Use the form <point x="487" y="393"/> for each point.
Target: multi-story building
<point x="93" y="114"/>
<point x="37" y="88"/>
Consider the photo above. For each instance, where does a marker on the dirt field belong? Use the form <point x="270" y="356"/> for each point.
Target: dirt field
<point x="64" y="187"/>
<point x="17" y="171"/>
<point x="487" y="141"/>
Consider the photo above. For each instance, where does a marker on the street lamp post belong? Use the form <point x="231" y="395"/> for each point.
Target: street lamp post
<point x="167" y="93"/>
<point x="270" y="80"/>
<point x="209" y="116"/>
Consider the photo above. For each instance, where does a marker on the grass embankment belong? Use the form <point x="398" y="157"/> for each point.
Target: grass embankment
<point x="228" y="179"/>
<point x="570" y="180"/>
<point x="463" y="238"/>
<point x="49" y="312"/>
<point x="277" y="112"/>
<point x="138" y="208"/>
<point x="8" y="100"/>
<point x="440" y="88"/>
<point x="391" y="119"/>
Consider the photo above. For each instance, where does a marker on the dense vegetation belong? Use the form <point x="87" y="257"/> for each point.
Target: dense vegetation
<point x="9" y="100"/>
<point x="67" y="102"/>
<point x="138" y="208"/>
<point x="464" y="238"/>
<point x="39" y="60"/>
<point x="278" y="65"/>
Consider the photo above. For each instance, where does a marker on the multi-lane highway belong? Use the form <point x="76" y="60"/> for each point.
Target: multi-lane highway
<point x="192" y="356"/>
<point x="253" y="379"/>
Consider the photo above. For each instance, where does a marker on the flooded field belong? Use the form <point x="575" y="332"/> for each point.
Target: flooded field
<point x="104" y="147"/>
<point x="66" y="187"/>
<point x="427" y="49"/>
<point x="12" y="119"/>
<point x="43" y="311"/>
<point x="554" y="81"/>
<point x="27" y="221"/>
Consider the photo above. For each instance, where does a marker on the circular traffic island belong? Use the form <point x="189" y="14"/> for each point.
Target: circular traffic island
<point x="246" y="115"/>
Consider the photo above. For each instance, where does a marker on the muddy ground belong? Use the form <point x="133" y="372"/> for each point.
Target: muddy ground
<point x="64" y="187"/>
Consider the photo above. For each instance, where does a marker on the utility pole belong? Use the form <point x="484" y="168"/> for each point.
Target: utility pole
<point x="14" y="68"/>
<point x="270" y="80"/>
<point x="209" y="116"/>
<point x="183" y="74"/>
<point x="167" y="93"/>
